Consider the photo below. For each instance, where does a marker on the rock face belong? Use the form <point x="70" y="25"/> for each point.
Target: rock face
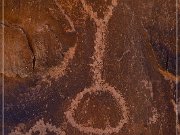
<point x="81" y="67"/>
<point x="18" y="55"/>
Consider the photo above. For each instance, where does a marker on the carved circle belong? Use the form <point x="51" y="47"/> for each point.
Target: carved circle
<point x="108" y="130"/>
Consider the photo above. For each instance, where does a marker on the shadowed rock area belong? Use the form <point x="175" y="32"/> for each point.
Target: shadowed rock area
<point x="89" y="67"/>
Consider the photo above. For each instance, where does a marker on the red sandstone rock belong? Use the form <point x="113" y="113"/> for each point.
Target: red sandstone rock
<point x="77" y="63"/>
<point x="18" y="56"/>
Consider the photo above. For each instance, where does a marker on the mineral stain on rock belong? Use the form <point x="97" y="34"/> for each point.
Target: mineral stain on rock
<point x="86" y="67"/>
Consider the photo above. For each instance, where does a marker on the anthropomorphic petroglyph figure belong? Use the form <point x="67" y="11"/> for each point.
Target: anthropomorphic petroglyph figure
<point x="99" y="85"/>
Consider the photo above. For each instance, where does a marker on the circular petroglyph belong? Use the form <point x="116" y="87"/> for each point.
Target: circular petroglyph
<point x="88" y="128"/>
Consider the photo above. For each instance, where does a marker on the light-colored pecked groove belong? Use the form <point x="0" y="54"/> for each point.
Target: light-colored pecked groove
<point x="66" y="16"/>
<point x="98" y="82"/>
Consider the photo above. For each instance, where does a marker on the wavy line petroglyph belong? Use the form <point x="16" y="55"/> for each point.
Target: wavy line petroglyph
<point x="40" y="127"/>
<point x="99" y="84"/>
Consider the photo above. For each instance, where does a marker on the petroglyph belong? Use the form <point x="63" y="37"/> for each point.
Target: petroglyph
<point x="54" y="72"/>
<point x="40" y="127"/>
<point x="60" y="70"/>
<point x="94" y="71"/>
<point x="108" y="130"/>
<point x="66" y="16"/>
<point x="99" y="84"/>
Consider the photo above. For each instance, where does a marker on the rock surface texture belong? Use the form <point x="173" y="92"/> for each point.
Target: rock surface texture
<point x="89" y="67"/>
